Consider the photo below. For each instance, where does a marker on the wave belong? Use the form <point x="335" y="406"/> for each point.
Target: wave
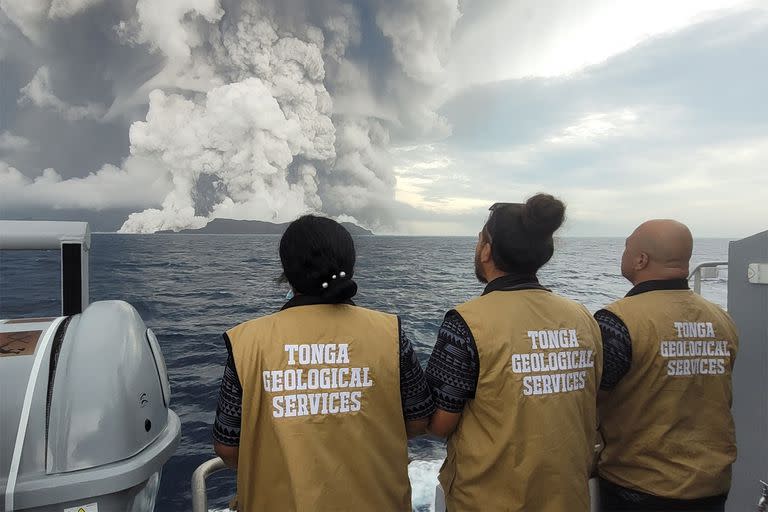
<point x="423" y="475"/>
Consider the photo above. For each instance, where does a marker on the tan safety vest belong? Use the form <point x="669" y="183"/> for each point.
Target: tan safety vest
<point x="667" y="425"/>
<point x="322" y="426"/>
<point x="526" y="441"/>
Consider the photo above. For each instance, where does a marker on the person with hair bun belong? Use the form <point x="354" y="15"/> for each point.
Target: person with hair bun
<point x="514" y="375"/>
<point x="318" y="399"/>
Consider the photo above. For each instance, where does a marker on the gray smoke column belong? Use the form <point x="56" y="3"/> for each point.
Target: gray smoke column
<point x="263" y="110"/>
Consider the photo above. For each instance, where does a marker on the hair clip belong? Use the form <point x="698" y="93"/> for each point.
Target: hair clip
<point x="343" y="274"/>
<point x="325" y="285"/>
<point x="333" y="276"/>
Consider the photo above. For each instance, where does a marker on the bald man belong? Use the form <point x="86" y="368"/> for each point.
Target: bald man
<point x="665" y="393"/>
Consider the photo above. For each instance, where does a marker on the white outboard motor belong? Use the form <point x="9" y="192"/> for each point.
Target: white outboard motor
<point x="84" y="417"/>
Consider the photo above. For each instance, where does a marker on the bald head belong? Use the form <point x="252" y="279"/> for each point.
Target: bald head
<point x="657" y="249"/>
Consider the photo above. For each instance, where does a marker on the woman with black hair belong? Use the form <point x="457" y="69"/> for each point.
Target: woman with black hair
<point x="514" y="375"/>
<point x="318" y="399"/>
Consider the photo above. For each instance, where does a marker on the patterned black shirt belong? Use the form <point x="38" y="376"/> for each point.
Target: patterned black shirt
<point x="617" y="348"/>
<point x="414" y="393"/>
<point x="617" y="345"/>
<point x="453" y="368"/>
<point x="617" y="360"/>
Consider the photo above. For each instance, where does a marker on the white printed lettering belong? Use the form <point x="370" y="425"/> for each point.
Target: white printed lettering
<point x="291" y="349"/>
<point x="533" y="335"/>
<point x="277" y="406"/>
<point x="305" y="354"/>
<point x="343" y="356"/>
<point x="302" y="401"/>
<point x="355" y="397"/>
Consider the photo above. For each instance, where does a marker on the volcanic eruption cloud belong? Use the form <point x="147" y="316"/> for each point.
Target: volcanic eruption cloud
<point x="263" y="109"/>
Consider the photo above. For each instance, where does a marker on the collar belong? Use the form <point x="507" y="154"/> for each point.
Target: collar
<point x="311" y="300"/>
<point x="512" y="282"/>
<point x="659" y="284"/>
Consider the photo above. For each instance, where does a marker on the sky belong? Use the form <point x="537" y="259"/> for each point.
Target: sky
<point x="408" y="117"/>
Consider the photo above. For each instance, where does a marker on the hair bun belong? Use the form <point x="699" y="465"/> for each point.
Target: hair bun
<point x="542" y="215"/>
<point x="341" y="290"/>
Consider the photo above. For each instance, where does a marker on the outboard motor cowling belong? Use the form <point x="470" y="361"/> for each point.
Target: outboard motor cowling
<point x="85" y="423"/>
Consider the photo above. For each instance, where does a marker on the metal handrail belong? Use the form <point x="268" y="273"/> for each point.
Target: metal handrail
<point x="199" y="492"/>
<point x="762" y="504"/>
<point x="696" y="272"/>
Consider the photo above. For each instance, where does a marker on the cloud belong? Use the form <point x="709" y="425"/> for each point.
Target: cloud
<point x="139" y="182"/>
<point x="27" y="15"/>
<point x="385" y="111"/>
<point x="420" y="35"/>
<point x="169" y="26"/>
<point x="422" y="171"/>
<point x="675" y="127"/>
<point x="39" y="93"/>
<point x="334" y="159"/>
<point x="11" y="142"/>
<point x="347" y="76"/>
<point x="716" y="189"/>
<point x="32" y="17"/>
<point x="504" y="40"/>
<point x="68" y="8"/>
<point x="241" y="139"/>
<point x="592" y="128"/>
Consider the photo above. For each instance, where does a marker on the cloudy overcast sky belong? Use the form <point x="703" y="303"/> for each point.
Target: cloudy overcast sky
<point x="410" y="117"/>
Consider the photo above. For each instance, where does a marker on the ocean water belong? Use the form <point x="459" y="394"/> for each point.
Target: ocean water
<point x="191" y="288"/>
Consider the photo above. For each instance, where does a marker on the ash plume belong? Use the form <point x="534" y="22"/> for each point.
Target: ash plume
<point x="238" y="109"/>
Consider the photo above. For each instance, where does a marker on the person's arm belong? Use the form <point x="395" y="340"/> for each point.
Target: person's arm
<point x="415" y="395"/>
<point x="228" y="454"/>
<point x="226" y="427"/>
<point x="444" y="423"/>
<point x="617" y="349"/>
<point x="416" y="428"/>
<point x="452" y="373"/>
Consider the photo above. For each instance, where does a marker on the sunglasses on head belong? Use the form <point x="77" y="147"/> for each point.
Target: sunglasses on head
<point x="498" y="206"/>
<point x="494" y="207"/>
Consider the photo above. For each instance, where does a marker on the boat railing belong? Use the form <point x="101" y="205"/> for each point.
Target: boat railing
<point x="199" y="491"/>
<point x="762" y="504"/>
<point x="73" y="239"/>
<point x="705" y="269"/>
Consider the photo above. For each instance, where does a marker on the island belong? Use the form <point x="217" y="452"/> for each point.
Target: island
<point x="253" y="227"/>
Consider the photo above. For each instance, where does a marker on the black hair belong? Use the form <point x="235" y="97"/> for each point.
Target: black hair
<point x="314" y="249"/>
<point x="521" y="234"/>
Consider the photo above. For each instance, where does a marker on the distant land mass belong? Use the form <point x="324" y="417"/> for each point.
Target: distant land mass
<point x="252" y="227"/>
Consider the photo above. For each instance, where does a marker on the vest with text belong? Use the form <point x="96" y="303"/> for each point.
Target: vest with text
<point x="667" y="425"/>
<point x="526" y="441"/>
<point x="322" y="422"/>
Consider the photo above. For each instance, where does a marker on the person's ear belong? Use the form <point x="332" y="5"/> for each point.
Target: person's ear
<point x="641" y="261"/>
<point x="485" y="252"/>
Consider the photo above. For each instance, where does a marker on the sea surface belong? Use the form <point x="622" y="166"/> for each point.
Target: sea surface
<point x="190" y="288"/>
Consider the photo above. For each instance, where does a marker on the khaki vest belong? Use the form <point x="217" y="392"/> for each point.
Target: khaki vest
<point x="526" y="441"/>
<point x="667" y="425"/>
<point x="322" y="426"/>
